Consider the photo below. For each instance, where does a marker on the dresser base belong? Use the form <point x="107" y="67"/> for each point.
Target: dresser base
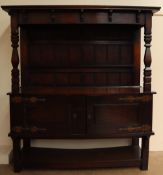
<point x="48" y="158"/>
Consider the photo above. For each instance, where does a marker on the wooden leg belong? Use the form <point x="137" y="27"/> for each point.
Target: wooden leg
<point x="11" y="157"/>
<point x="26" y="144"/>
<point x="16" y="154"/>
<point x="135" y="141"/>
<point x="144" y="153"/>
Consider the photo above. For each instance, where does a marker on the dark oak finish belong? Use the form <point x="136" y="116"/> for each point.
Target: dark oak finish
<point x="17" y="158"/>
<point x="80" y="78"/>
<point x="60" y="158"/>
<point x="15" y="56"/>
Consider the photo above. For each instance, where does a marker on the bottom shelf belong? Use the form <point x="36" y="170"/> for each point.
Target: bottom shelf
<point x="127" y="156"/>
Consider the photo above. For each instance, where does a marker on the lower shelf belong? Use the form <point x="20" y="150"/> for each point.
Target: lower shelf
<point x="127" y="156"/>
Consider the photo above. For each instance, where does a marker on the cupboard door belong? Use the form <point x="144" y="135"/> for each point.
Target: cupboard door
<point x="16" y="113"/>
<point x="50" y="115"/>
<point x="61" y="116"/>
<point x="117" y="115"/>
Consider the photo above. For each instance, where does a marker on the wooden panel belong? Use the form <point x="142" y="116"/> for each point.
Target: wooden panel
<point x="80" y="54"/>
<point x="80" y="16"/>
<point x="109" y="119"/>
<point x="59" y="59"/>
<point x="83" y="78"/>
<point x="55" y="121"/>
<point x="109" y="115"/>
<point x="99" y="17"/>
<point x="69" y="17"/>
<point x="50" y="17"/>
<point x="124" y="18"/>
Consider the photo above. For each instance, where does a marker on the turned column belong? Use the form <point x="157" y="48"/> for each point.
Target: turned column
<point x="135" y="141"/>
<point x="15" y="55"/>
<point x="147" y="56"/>
<point x="26" y="144"/>
<point x="144" y="153"/>
<point x="17" y="157"/>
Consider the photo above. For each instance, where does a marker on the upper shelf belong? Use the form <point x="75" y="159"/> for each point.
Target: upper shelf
<point x="85" y="91"/>
<point x="80" y="14"/>
<point x="84" y="7"/>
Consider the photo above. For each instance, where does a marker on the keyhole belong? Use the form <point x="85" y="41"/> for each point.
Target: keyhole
<point x="74" y="116"/>
<point x="89" y="117"/>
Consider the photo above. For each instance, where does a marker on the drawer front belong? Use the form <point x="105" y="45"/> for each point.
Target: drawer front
<point x="119" y="115"/>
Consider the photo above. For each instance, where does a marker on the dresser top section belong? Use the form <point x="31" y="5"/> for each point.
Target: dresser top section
<point x="83" y="7"/>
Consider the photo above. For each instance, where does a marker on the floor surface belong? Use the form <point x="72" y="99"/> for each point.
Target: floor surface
<point x="155" y="168"/>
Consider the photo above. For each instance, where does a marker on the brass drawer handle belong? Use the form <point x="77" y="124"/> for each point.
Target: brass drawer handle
<point x="27" y="100"/>
<point x="135" y="99"/>
<point x="16" y="99"/>
<point x="17" y="129"/>
<point x="34" y="129"/>
<point x="35" y="100"/>
<point x="143" y="128"/>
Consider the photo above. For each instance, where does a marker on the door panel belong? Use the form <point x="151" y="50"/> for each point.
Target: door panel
<point x="112" y="115"/>
<point x="52" y="115"/>
<point x="79" y="116"/>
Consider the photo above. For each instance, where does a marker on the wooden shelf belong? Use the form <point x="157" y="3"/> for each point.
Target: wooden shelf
<point x="91" y="91"/>
<point x="82" y="158"/>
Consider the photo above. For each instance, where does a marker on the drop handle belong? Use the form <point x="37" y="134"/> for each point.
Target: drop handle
<point x="34" y="100"/>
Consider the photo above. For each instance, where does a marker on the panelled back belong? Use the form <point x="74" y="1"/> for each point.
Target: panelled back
<point x="79" y="55"/>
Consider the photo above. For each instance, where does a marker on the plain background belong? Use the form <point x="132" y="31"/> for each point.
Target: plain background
<point x="156" y="143"/>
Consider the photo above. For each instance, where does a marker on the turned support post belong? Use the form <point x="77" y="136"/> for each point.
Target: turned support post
<point x="135" y="141"/>
<point x="144" y="153"/>
<point x="26" y="144"/>
<point x="17" y="157"/>
<point x="147" y="55"/>
<point x="15" y="55"/>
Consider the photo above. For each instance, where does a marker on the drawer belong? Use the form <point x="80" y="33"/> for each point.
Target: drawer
<point x="119" y="114"/>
